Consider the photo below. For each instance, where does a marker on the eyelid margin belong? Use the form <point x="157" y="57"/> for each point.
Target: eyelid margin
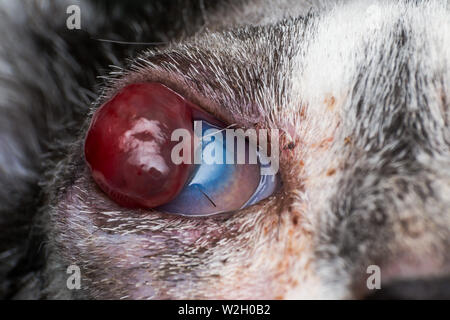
<point x="153" y="67"/>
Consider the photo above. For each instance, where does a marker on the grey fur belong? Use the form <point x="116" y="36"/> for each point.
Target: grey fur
<point x="359" y="89"/>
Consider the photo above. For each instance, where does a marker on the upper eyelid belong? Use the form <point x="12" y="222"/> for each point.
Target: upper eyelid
<point x="200" y="78"/>
<point x="175" y="81"/>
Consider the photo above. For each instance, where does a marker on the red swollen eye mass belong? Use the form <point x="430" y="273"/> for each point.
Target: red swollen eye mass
<point x="128" y="146"/>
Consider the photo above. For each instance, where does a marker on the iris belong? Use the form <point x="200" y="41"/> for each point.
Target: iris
<point x="215" y="186"/>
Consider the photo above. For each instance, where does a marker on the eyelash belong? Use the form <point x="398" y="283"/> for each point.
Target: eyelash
<point x="251" y="188"/>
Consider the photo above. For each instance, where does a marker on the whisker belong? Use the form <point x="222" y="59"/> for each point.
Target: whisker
<point x="206" y="196"/>
<point x="221" y="130"/>
<point x="130" y="42"/>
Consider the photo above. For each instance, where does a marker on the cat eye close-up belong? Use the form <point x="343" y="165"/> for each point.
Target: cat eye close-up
<point x="232" y="150"/>
<point x="130" y="152"/>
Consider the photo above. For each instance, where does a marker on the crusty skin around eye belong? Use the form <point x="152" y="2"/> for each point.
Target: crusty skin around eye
<point x="359" y="90"/>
